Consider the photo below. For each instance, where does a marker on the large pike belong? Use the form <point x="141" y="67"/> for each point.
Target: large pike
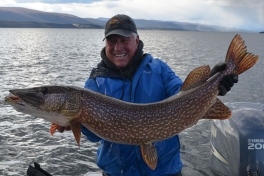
<point x="130" y="123"/>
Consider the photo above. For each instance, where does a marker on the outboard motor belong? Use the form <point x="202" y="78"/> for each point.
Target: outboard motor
<point x="237" y="144"/>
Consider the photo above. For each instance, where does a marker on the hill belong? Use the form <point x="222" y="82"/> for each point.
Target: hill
<point x="19" y="14"/>
<point x="23" y="17"/>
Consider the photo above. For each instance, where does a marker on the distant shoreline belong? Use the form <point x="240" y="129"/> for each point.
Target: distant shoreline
<point x="32" y="24"/>
<point x="19" y="17"/>
<point x="26" y="24"/>
<point x="14" y="24"/>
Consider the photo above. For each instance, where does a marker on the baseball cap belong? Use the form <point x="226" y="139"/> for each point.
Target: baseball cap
<point x="121" y="25"/>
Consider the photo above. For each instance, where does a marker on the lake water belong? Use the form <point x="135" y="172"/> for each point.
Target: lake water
<point x="36" y="57"/>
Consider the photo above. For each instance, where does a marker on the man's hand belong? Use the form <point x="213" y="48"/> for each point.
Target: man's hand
<point x="221" y="66"/>
<point x="227" y="81"/>
<point x="62" y="129"/>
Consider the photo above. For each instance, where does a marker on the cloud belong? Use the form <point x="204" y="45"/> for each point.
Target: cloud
<point x="250" y="14"/>
<point x="57" y="1"/>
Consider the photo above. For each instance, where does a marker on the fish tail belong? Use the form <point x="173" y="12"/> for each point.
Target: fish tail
<point x="237" y="54"/>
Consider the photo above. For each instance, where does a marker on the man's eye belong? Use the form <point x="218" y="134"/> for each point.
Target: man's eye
<point x="125" y="40"/>
<point x="111" y="42"/>
<point x="114" y="42"/>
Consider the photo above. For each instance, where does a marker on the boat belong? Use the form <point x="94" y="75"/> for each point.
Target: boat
<point x="237" y="144"/>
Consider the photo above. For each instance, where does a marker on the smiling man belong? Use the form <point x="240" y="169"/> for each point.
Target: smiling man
<point x="121" y="40"/>
<point x="126" y="73"/>
<point x="120" y="50"/>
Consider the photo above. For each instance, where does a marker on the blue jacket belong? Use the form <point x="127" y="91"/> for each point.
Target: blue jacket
<point x="153" y="81"/>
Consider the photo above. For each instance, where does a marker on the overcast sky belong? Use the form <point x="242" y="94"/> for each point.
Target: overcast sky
<point x="243" y="14"/>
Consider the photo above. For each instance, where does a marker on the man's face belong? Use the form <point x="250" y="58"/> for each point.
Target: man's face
<point x="120" y="50"/>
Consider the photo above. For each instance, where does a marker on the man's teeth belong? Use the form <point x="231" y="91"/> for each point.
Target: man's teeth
<point x="120" y="55"/>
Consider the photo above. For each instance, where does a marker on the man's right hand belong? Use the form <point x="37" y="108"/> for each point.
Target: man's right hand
<point x="61" y="129"/>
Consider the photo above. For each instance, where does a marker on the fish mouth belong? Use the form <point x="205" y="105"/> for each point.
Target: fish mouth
<point x="24" y="97"/>
<point x="15" y="100"/>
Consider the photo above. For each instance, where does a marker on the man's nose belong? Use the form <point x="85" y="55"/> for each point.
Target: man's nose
<point x="118" y="45"/>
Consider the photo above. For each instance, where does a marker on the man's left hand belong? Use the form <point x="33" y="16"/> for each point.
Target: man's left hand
<point x="227" y="83"/>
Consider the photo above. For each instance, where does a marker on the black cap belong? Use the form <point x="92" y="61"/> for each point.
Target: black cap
<point x="120" y="25"/>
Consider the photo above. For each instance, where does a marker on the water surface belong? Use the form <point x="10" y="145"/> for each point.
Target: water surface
<point x="37" y="57"/>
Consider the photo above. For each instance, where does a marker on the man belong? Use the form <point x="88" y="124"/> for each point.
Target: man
<point x="129" y="75"/>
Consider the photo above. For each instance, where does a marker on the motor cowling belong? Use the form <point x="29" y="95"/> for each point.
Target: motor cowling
<point x="237" y="144"/>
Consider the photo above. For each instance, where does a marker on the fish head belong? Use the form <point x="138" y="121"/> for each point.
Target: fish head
<point x="57" y="104"/>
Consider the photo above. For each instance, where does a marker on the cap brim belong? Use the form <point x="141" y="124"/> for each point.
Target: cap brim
<point x="121" y="32"/>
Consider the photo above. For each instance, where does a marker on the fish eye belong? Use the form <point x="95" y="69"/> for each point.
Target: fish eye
<point x="44" y="90"/>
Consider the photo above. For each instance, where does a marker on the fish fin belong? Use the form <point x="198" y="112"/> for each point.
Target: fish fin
<point x="76" y="130"/>
<point x="149" y="154"/>
<point x="237" y="52"/>
<point x="53" y="128"/>
<point x="246" y="63"/>
<point x="218" y="111"/>
<point x="196" y="77"/>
